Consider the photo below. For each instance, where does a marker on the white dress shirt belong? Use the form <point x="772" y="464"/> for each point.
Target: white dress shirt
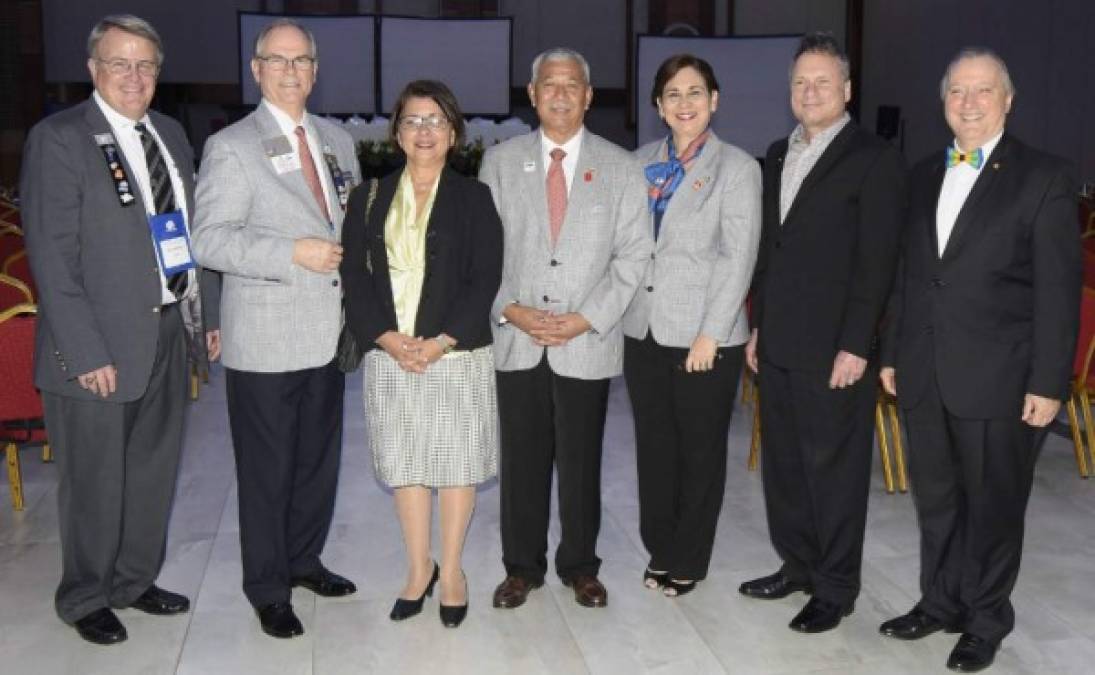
<point x="571" y="148"/>
<point x="957" y="184"/>
<point x="129" y="144"/>
<point x="289" y="128"/>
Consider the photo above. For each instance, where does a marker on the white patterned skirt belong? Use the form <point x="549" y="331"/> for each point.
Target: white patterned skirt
<point x="436" y="429"/>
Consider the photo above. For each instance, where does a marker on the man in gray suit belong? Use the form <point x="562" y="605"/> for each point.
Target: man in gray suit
<point x="271" y="196"/>
<point x="576" y="246"/>
<point x="107" y="188"/>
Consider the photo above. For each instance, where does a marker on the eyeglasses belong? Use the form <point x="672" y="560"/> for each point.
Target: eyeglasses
<point x="429" y="122"/>
<point x="278" y="63"/>
<point x="125" y="67"/>
<point x="674" y="98"/>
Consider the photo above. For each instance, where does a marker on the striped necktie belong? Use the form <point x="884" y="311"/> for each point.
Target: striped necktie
<point x="163" y="195"/>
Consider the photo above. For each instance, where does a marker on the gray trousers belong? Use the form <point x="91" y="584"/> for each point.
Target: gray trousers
<point x="117" y="464"/>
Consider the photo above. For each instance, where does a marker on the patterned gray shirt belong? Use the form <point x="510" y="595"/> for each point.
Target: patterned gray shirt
<point x="801" y="157"/>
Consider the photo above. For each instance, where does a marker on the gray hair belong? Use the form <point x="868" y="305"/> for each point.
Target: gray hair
<point x="974" y="53"/>
<point x="822" y="43"/>
<point x="134" y="25"/>
<point x="283" y="22"/>
<point x="559" y="54"/>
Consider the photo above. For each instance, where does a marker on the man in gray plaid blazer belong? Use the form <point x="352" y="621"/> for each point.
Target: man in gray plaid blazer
<point x="576" y="247"/>
<point x="270" y="200"/>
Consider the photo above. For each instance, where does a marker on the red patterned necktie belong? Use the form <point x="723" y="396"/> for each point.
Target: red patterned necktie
<point x="556" y="194"/>
<point x="311" y="176"/>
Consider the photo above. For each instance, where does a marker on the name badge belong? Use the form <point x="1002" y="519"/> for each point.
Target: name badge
<point x="172" y="242"/>
<point x="285" y="163"/>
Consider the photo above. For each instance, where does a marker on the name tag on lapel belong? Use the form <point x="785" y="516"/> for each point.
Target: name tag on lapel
<point x="280" y="152"/>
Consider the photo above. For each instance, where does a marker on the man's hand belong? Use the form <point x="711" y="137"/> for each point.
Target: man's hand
<point x="317" y="255"/>
<point x="701" y="357"/>
<point x="102" y="381"/>
<point x="213" y="344"/>
<point x="1038" y="411"/>
<point x="751" y="353"/>
<point x="559" y="329"/>
<point x="888" y="377"/>
<point x="847" y="370"/>
<point x="406" y="350"/>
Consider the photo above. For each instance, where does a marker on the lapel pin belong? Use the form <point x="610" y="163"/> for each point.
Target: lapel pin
<point x="700" y="182"/>
<point x="529" y="167"/>
<point x="588" y="177"/>
<point x="996" y="165"/>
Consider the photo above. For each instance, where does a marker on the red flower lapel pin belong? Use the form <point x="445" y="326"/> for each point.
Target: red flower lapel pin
<point x="588" y="176"/>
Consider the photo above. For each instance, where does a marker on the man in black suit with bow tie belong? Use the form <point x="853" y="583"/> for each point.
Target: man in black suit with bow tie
<point x="979" y="350"/>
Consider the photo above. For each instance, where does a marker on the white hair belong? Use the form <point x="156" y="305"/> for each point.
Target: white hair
<point x="975" y="53"/>
<point x="283" y="22"/>
<point x="559" y="54"/>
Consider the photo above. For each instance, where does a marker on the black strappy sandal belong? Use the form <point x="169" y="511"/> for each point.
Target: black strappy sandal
<point x="674" y="588"/>
<point x="654" y="580"/>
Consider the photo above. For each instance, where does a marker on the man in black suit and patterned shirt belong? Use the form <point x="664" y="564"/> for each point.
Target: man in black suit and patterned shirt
<point x="979" y="348"/>
<point x="833" y="201"/>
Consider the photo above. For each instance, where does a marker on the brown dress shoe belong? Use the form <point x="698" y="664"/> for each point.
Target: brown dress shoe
<point x="588" y="591"/>
<point x="513" y="591"/>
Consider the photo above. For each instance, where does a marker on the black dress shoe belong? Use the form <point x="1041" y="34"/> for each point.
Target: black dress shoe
<point x="405" y="609"/>
<point x="101" y="627"/>
<point x="971" y="654"/>
<point x="278" y="620"/>
<point x="912" y="626"/>
<point x="773" y="587"/>
<point x="326" y="583"/>
<point x="819" y="616"/>
<point x="158" y="601"/>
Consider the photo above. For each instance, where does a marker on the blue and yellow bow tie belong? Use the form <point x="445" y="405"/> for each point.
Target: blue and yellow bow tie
<point x="974" y="159"/>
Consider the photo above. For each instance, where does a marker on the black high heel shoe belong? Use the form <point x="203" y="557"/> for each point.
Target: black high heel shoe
<point x="453" y="615"/>
<point x="654" y="580"/>
<point x="405" y="609"/>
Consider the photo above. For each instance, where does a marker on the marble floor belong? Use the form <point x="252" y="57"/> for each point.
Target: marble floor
<point x="713" y="630"/>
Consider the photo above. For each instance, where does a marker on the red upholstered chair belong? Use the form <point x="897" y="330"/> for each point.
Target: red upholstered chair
<point x="17" y="266"/>
<point x="21" y="418"/>
<point x="11" y="241"/>
<point x="9" y="212"/>
<point x="13" y="292"/>
<point x="1083" y="383"/>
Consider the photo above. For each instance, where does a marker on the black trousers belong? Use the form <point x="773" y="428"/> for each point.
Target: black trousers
<point x="116" y="465"/>
<point x="681" y="421"/>
<point x="287" y="434"/>
<point x="546" y="418"/>
<point x="971" y="480"/>
<point x="816" y="464"/>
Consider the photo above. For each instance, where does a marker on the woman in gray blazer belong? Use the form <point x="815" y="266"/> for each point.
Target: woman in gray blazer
<point x="686" y="328"/>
